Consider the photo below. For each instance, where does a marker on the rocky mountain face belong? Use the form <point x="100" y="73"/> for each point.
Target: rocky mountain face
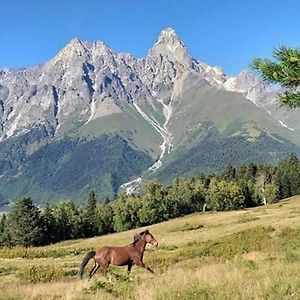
<point x="143" y="115"/>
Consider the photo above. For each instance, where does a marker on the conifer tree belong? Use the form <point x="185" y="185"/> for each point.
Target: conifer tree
<point x="105" y="222"/>
<point x="229" y="172"/>
<point x="50" y="224"/>
<point x="285" y="71"/>
<point x="90" y="222"/>
<point x="25" y="223"/>
<point x="4" y="235"/>
<point x="92" y="202"/>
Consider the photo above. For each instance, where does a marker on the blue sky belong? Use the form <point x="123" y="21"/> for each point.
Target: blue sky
<point x="228" y="33"/>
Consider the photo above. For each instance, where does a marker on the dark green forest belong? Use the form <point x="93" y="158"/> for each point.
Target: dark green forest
<point x="236" y="187"/>
<point x="214" y="152"/>
<point x="66" y="168"/>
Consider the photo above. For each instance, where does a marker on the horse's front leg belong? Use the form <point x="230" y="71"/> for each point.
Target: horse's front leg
<point x="142" y="265"/>
<point x="129" y="267"/>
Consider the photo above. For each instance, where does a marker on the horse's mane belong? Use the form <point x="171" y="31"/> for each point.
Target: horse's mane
<point x="137" y="236"/>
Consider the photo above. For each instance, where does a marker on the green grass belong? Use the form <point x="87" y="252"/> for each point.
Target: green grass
<point x="248" y="254"/>
<point x="134" y="129"/>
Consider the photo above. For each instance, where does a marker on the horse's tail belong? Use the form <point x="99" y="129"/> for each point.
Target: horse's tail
<point x="85" y="261"/>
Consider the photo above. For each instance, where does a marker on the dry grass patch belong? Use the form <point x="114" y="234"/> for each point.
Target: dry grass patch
<point x="249" y="254"/>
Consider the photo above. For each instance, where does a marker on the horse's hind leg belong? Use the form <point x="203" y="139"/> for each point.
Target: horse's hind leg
<point x="91" y="272"/>
<point x="103" y="268"/>
<point x="94" y="271"/>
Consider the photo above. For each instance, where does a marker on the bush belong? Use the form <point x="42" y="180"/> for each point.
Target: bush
<point x="187" y="227"/>
<point x="32" y="253"/>
<point x="119" y="285"/>
<point x="254" y="239"/>
<point x="45" y="273"/>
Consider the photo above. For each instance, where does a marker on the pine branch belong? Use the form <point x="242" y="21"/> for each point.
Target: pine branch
<point x="285" y="71"/>
<point x="291" y="100"/>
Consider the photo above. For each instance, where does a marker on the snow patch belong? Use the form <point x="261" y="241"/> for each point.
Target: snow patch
<point x="284" y="125"/>
<point x="132" y="185"/>
<point x="166" y="146"/>
<point x="93" y="110"/>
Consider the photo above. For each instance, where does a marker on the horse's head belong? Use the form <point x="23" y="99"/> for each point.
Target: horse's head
<point x="149" y="238"/>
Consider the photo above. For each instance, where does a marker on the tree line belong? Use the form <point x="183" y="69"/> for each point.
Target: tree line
<point x="237" y="187"/>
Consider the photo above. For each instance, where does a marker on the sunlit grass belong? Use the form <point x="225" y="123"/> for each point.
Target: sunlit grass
<point x="247" y="254"/>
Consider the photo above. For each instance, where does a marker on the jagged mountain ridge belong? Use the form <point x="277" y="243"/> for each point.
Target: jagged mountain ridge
<point x="83" y="74"/>
<point x="87" y="90"/>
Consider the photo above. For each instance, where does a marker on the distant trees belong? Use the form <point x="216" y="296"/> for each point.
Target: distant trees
<point x="237" y="187"/>
<point x="285" y="70"/>
<point x="105" y="218"/>
<point x="224" y="195"/>
<point x="27" y="225"/>
<point x="287" y="176"/>
<point x="125" y="211"/>
<point x="5" y="239"/>
<point x="24" y="223"/>
<point x="90" y="215"/>
<point x="50" y="224"/>
<point x="155" y="205"/>
<point x="186" y="196"/>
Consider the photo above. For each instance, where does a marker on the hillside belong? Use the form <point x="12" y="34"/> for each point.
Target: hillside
<point x="168" y="110"/>
<point x="247" y="254"/>
<point x="71" y="167"/>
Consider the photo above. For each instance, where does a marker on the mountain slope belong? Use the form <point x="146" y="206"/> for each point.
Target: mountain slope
<point x="157" y="112"/>
<point x="70" y="168"/>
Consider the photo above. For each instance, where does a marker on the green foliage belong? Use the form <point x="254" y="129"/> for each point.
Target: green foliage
<point x="104" y="218"/>
<point x="238" y="187"/>
<point x="5" y="239"/>
<point x="224" y="248"/>
<point x="50" y="224"/>
<point x="101" y="285"/>
<point x="34" y="253"/>
<point x="285" y="70"/>
<point x="287" y="177"/>
<point x="229" y="173"/>
<point x="90" y="216"/>
<point x="188" y="227"/>
<point x="224" y="195"/>
<point x="250" y="264"/>
<point x="126" y="212"/>
<point x="213" y="154"/>
<point x="122" y="285"/>
<point x="155" y="206"/>
<point x="69" y="221"/>
<point x="189" y="195"/>
<point x="67" y="168"/>
<point x="227" y="247"/>
<point x="91" y="203"/>
<point x="25" y="223"/>
<point x="269" y="193"/>
<point x="41" y="273"/>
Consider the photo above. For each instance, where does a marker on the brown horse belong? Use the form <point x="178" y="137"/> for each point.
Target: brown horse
<point x="129" y="255"/>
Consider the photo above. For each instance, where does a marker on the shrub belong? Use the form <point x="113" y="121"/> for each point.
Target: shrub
<point x="187" y="227"/>
<point x="44" y="273"/>
<point x="32" y="253"/>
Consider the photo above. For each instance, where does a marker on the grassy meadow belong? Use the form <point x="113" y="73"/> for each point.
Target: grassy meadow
<point x="247" y="254"/>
